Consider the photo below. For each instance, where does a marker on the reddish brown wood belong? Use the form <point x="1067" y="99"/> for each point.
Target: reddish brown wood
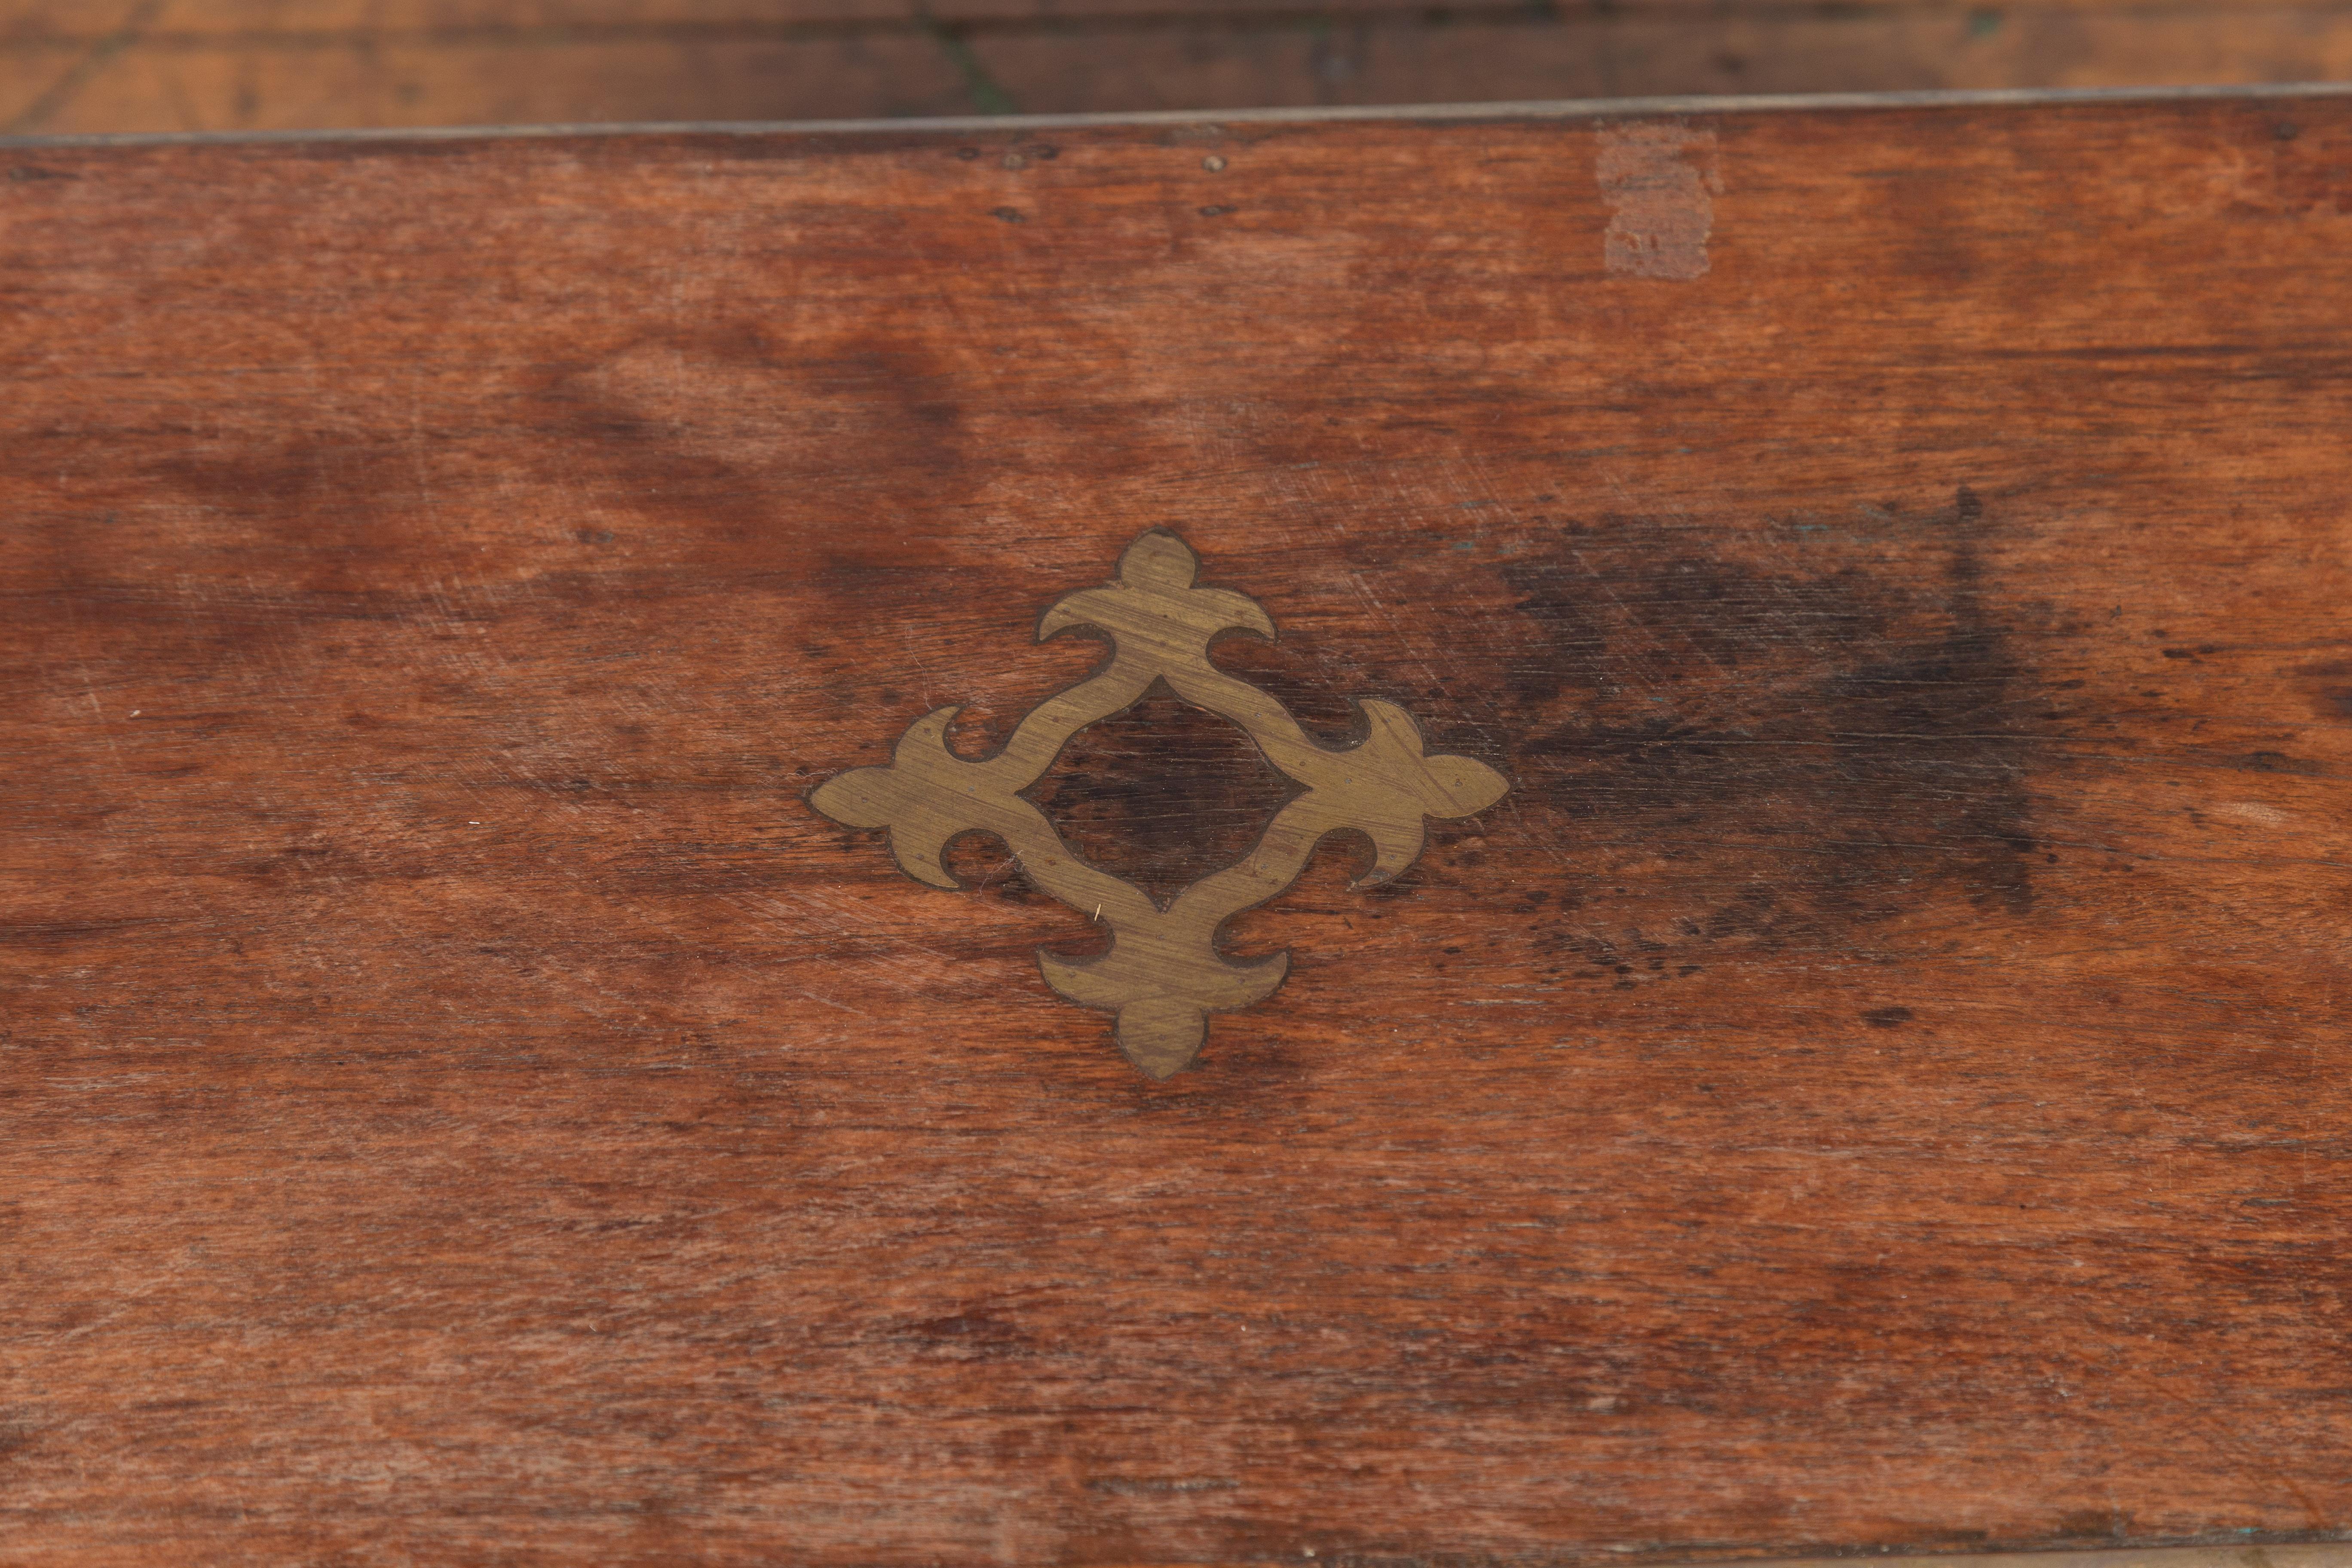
<point x="1877" y="1081"/>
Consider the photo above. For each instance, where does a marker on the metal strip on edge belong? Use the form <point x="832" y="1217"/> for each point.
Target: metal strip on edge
<point x="1545" y="108"/>
<point x="2307" y="1554"/>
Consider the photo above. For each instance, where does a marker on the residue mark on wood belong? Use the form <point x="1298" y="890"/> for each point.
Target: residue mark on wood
<point x="1659" y="180"/>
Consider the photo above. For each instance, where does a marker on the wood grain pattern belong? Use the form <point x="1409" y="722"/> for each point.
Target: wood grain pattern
<point x="1642" y="50"/>
<point x="146" y="66"/>
<point x="1877" y="1081"/>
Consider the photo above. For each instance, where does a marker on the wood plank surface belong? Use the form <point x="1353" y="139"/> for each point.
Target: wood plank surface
<point x="146" y="66"/>
<point x="1877" y="1080"/>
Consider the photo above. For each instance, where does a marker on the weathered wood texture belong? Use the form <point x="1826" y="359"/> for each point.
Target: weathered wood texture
<point x="1877" y="1081"/>
<point x="222" y="65"/>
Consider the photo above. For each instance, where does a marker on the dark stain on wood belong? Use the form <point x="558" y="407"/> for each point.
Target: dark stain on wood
<point x="2330" y="686"/>
<point x="1841" y="743"/>
<point x="1162" y="794"/>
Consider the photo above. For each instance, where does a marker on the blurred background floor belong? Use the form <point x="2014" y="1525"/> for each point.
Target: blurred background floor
<point x="84" y="66"/>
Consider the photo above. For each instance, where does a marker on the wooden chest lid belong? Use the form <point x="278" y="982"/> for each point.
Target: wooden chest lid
<point x="1875" y="1079"/>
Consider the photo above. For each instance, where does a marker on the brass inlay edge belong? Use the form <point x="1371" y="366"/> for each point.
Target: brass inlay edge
<point x="1163" y="974"/>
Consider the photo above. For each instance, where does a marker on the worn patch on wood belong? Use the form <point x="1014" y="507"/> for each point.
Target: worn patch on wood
<point x="1657" y="179"/>
<point x="1162" y="974"/>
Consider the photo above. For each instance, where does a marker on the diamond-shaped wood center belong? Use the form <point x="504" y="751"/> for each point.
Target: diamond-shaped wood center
<point x="1162" y="794"/>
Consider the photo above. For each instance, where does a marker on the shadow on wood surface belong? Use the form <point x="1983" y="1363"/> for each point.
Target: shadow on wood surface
<point x="105" y="66"/>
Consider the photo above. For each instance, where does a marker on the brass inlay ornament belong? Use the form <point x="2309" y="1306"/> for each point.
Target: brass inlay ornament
<point x="1162" y="974"/>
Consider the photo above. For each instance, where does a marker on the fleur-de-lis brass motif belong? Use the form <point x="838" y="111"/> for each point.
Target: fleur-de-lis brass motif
<point x="1163" y="975"/>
